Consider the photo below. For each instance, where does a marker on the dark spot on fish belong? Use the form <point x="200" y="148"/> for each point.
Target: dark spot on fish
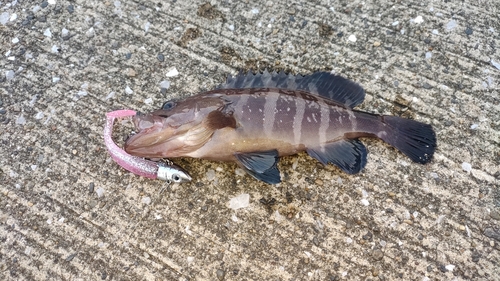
<point x="218" y="120"/>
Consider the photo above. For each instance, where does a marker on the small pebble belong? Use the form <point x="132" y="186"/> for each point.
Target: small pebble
<point x="365" y="202"/>
<point x="408" y="222"/>
<point x="418" y="20"/>
<point x="240" y="201"/>
<point x="128" y="91"/>
<point x="451" y="25"/>
<point x="220" y="274"/>
<point x="131" y="72"/>
<point x="468" y="31"/>
<point x="467" y="167"/>
<point x="100" y="192"/>
<point x="9" y="75"/>
<point x="47" y="33"/>
<point x="210" y="174"/>
<point x="161" y="57"/>
<point x="146" y="200"/>
<point x="239" y="172"/>
<point x="475" y="256"/>
<point x="70" y="9"/>
<point x="495" y="215"/>
<point x="21" y="120"/>
<point x="165" y="84"/>
<point x="376" y="44"/>
<point x="91" y="187"/>
<point x="4" y="18"/>
<point x="492" y="233"/>
<point x="495" y="64"/>
<point x="70" y="257"/>
<point x="377" y="255"/>
<point x="172" y="72"/>
<point x="110" y="95"/>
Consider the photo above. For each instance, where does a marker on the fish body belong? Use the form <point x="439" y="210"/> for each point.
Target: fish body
<point x="254" y="119"/>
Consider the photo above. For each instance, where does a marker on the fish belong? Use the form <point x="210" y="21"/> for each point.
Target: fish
<point x="253" y="119"/>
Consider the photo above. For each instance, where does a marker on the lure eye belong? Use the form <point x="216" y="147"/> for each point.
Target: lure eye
<point x="168" y="105"/>
<point x="176" y="178"/>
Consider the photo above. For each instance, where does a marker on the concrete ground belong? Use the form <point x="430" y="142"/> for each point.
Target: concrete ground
<point x="67" y="212"/>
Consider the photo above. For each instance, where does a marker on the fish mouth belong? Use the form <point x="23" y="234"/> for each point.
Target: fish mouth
<point x="151" y="137"/>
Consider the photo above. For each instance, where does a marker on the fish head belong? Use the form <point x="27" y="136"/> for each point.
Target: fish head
<point x="176" y="129"/>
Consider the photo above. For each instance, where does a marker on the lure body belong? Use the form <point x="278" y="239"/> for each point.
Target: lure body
<point x="254" y="119"/>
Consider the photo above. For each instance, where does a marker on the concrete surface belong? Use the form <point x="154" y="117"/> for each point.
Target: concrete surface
<point x="66" y="63"/>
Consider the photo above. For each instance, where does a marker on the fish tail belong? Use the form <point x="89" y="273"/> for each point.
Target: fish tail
<point x="415" y="139"/>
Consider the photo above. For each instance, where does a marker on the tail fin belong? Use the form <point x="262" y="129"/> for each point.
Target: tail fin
<point x="415" y="139"/>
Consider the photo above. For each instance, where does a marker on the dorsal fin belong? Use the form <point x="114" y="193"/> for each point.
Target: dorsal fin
<point x="325" y="84"/>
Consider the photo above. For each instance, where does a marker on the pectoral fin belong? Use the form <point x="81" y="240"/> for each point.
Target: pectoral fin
<point x="261" y="165"/>
<point x="348" y="155"/>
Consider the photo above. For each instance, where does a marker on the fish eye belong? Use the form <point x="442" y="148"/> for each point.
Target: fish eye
<point x="168" y="105"/>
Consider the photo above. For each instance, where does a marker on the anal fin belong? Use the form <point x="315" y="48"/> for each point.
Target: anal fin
<point x="348" y="155"/>
<point x="262" y="165"/>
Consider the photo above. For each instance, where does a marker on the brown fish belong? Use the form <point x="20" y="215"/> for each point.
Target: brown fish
<point x="253" y="119"/>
